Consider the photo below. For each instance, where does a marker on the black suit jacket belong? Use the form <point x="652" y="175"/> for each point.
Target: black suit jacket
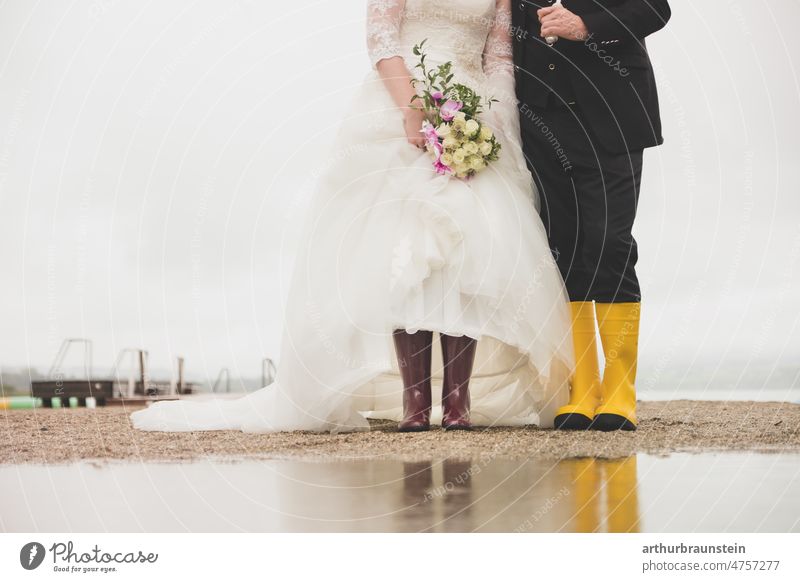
<point x="609" y="75"/>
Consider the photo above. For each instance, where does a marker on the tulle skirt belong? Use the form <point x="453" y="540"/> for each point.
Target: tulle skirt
<point x="390" y="244"/>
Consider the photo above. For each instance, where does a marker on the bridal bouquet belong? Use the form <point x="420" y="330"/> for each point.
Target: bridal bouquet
<point x="456" y="139"/>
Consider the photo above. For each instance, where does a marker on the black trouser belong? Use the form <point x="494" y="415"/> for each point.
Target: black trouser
<point x="588" y="204"/>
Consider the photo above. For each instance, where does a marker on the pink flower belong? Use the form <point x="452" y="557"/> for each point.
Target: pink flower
<point x="441" y="168"/>
<point x="435" y="147"/>
<point x="449" y="109"/>
<point x="437" y="96"/>
<point x="429" y="131"/>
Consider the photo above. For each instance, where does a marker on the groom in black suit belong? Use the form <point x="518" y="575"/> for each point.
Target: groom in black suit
<point x="588" y="108"/>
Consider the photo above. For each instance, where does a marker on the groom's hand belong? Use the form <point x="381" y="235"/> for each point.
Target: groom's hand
<point x="558" y="21"/>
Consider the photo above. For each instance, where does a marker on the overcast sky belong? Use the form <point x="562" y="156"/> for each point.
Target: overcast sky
<point x="156" y="158"/>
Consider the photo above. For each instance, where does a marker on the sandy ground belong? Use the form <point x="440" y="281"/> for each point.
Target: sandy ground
<point x="64" y="435"/>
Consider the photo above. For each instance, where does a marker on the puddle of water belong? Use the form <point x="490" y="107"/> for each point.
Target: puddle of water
<point x="726" y="492"/>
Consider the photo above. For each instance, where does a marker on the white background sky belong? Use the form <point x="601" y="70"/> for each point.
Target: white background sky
<point x="155" y="159"/>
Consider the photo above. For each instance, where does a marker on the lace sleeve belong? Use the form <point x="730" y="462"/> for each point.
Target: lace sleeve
<point x="383" y="28"/>
<point x="497" y="54"/>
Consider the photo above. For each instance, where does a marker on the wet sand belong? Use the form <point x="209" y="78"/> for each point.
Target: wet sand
<point x="67" y="435"/>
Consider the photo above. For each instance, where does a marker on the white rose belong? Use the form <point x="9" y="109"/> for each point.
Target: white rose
<point x="477" y="164"/>
<point x="486" y="133"/>
<point x="486" y="148"/>
<point x="443" y="130"/>
<point x="472" y="127"/>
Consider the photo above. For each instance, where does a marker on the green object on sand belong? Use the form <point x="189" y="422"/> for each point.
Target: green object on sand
<point x="20" y="402"/>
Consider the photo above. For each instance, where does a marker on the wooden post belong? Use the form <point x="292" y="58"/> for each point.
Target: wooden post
<point x="180" y="375"/>
<point x="143" y="371"/>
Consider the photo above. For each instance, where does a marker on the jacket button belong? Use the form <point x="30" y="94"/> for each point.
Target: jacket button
<point x="551" y="66"/>
<point x="522" y="5"/>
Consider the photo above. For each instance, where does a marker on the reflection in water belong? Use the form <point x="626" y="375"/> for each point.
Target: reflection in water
<point x="605" y="495"/>
<point x="730" y="492"/>
<point x="575" y="495"/>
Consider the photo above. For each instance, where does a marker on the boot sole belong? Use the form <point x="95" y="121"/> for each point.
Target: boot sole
<point x="572" y="421"/>
<point x="414" y="429"/>
<point x="611" y="422"/>
<point x="457" y="427"/>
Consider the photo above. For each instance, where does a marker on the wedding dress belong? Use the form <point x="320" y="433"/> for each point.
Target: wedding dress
<point x="391" y="244"/>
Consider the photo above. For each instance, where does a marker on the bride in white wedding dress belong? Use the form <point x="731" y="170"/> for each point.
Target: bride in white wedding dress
<point x="393" y="251"/>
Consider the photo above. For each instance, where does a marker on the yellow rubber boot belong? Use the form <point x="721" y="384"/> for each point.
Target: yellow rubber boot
<point x="584" y="394"/>
<point x="619" y="334"/>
